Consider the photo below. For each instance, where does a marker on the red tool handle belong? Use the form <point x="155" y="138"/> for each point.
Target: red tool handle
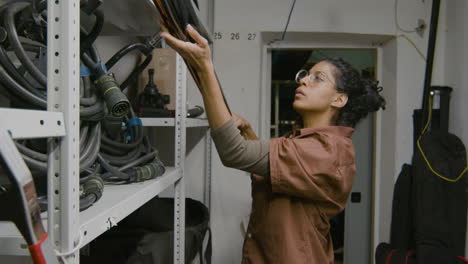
<point x="36" y="251"/>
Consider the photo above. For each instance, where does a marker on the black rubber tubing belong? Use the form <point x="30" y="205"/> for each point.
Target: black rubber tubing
<point x="9" y="22"/>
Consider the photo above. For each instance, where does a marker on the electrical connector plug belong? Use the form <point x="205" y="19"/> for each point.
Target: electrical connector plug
<point x="116" y="101"/>
<point x="196" y="111"/>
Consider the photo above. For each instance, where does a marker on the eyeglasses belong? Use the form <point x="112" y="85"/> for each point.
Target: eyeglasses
<point x="317" y="76"/>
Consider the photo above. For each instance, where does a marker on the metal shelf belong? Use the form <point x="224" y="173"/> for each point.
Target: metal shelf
<point x="197" y="122"/>
<point x="119" y="201"/>
<point x="157" y="122"/>
<point x="170" y="122"/>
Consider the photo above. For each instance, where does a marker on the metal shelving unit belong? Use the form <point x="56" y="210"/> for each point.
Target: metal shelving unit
<point x="68" y="228"/>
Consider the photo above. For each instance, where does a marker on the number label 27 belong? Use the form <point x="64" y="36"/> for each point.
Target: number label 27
<point x="234" y="36"/>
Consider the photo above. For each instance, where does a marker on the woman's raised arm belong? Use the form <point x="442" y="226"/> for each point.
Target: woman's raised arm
<point x="198" y="55"/>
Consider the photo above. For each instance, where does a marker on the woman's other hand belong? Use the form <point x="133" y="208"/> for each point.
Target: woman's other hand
<point x="240" y="122"/>
<point x="197" y="54"/>
<point x="244" y="126"/>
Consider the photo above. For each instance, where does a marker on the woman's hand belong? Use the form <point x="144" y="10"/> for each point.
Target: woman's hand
<point x="198" y="58"/>
<point x="197" y="54"/>
<point x="244" y="126"/>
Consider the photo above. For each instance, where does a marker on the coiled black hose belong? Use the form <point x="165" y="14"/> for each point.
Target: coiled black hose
<point x="145" y="48"/>
<point x="143" y="160"/>
<point x="31" y="94"/>
<point x="83" y="135"/>
<point x="109" y="168"/>
<point x="124" y="146"/>
<point x="137" y="71"/>
<point x="91" y="108"/>
<point x="88" y="40"/>
<point x="89" y="152"/>
<point x="16" y="75"/>
<point x="31" y="153"/>
<point x="122" y="159"/>
<point x="9" y="22"/>
<point x="124" y="51"/>
<point x="39" y="6"/>
<point x="16" y="88"/>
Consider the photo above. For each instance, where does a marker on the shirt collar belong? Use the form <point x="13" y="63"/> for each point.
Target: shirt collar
<point x="335" y="130"/>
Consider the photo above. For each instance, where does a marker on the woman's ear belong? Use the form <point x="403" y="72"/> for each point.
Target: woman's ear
<point x="340" y="100"/>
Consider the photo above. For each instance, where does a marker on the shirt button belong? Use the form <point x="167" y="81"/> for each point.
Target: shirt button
<point x="249" y="235"/>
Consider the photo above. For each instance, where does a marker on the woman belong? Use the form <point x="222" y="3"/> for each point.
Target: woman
<point x="299" y="181"/>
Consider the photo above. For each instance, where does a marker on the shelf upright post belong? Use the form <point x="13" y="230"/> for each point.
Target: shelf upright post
<point x="63" y="73"/>
<point x="208" y="144"/>
<point x="180" y="144"/>
<point x="207" y="177"/>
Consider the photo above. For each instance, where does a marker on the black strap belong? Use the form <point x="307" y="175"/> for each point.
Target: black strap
<point x="207" y="259"/>
<point x="208" y="250"/>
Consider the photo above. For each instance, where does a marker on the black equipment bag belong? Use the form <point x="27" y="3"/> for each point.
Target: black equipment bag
<point x="439" y="221"/>
<point x="401" y="235"/>
<point x="429" y="212"/>
<point x="386" y="254"/>
<point x="146" y="236"/>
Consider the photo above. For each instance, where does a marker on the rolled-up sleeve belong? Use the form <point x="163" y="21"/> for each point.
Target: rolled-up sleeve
<point x="319" y="167"/>
<point x="236" y="152"/>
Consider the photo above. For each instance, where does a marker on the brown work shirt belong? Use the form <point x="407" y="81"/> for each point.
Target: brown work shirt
<point x="306" y="181"/>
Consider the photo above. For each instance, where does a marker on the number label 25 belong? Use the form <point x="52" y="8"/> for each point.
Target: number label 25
<point x="234" y="36"/>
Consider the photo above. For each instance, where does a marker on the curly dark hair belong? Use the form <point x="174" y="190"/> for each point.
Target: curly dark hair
<point x="363" y="94"/>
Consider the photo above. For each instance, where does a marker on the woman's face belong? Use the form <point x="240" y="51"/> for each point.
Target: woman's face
<point x="317" y="91"/>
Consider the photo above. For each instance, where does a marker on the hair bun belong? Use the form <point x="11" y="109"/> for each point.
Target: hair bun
<point x="371" y="96"/>
<point x="363" y="94"/>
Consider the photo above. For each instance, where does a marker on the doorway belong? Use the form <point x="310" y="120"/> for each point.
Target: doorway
<point x="351" y="230"/>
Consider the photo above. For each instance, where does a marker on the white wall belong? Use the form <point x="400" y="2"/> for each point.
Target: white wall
<point x="457" y="66"/>
<point x="238" y="63"/>
<point x="456" y="60"/>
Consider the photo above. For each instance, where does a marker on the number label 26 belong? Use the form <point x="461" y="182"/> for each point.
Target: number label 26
<point x="235" y="36"/>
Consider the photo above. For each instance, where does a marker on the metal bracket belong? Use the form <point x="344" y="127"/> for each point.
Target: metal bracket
<point x="32" y="123"/>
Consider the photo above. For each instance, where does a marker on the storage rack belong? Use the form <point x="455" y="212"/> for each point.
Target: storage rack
<point x="68" y="228"/>
<point x="276" y="121"/>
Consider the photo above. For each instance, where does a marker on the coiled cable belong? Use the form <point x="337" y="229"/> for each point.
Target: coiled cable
<point x="9" y="22"/>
